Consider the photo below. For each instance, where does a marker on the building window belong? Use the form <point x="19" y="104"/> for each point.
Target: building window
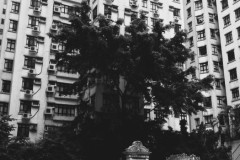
<point x="107" y="10"/>
<point x="31" y="41"/>
<point x="144" y="3"/>
<point x="66" y="9"/>
<point x="238" y="31"/>
<point x="231" y="55"/>
<point x="212" y="32"/>
<point x="6" y="86"/>
<point x="154" y="20"/>
<point x="220" y="100"/>
<point x="190" y="27"/>
<point x="29" y="62"/>
<point x="233" y="74"/>
<point x="208" y="119"/>
<point x="27" y="83"/>
<point x="23" y="130"/>
<point x="200" y="19"/>
<point x="226" y="20"/>
<point x="4" y="11"/>
<point x="216" y="66"/>
<point x="228" y="37"/>
<point x="224" y="4"/>
<point x="191" y="41"/>
<point x="197" y="122"/>
<point x="237" y="13"/>
<point x="202" y="50"/>
<point x="65" y="69"/>
<point x="201" y="35"/>
<point x="177" y="27"/>
<point x="8" y="65"/>
<point x="64" y="110"/>
<point x="65" y="89"/>
<point x="217" y="83"/>
<point x="207" y="102"/>
<point x="33" y="21"/>
<point x="2" y="21"/>
<point x="13" y="26"/>
<point x="94" y="12"/>
<point x="235" y="93"/>
<point x="210" y="3"/>
<point x="198" y="5"/>
<point x="1" y="31"/>
<point x="11" y="45"/>
<point x="147" y="114"/>
<point x="15" y="7"/>
<point x="153" y="6"/>
<point x="189" y="13"/>
<point x="204" y="67"/>
<point x="176" y="12"/>
<point x="211" y="18"/>
<point x="188" y="1"/>
<point x="134" y="16"/>
<point x="215" y="49"/>
<point x="194" y="72"/>
<point x="3" y="108"/>
<point x="35" y="3"/>
<point x="25" y="106"/>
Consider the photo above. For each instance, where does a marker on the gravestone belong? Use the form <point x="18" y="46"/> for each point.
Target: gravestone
<point x="137" y="152"/>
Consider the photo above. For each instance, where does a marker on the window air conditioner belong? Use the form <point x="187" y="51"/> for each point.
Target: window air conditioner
<point x="56" y="9"/>
<point x="49" y="111"/>
<point x="33" y="49"/>
<point x="26" y="115"/>
<point x="50" y="88"/>
<point x="52" y="67"/>
<point x="35" y="104"/>
<point x="28" y="92"/>
<point x="37" y="9"/>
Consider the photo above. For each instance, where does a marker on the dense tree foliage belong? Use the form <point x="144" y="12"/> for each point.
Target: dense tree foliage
<point x="203" y="143"/>
<point x="141" y="58"/>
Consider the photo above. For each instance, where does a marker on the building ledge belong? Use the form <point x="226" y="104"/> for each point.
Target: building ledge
<point x="236" y="1"/>
<point x="227" y="25"/>
<point x="229" y="43"/>
<point x="236" y="99"/>
<point x="225" y="9"/>
<point x="233" y="80"/>
<point x="231" y="61"/>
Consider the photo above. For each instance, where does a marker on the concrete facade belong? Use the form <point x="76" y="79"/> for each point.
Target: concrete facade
<point x="31" y="84"/>
<point x="228" y="16"/>
<point x="204" y="41"/>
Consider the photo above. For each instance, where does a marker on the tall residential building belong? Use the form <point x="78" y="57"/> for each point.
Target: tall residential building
<point x="229" y="30"/>
<point x="200" y="18"/>
<point x="32" y="84"/>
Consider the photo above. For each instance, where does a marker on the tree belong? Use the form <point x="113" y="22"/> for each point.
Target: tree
<point x="201" y="142"/>
<point x="141" y="59"/>
<point x="5" y="133"/>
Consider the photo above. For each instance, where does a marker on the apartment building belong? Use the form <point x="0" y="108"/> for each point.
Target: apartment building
<point x="32" y="84"/>
<point x="200" y="18"/>
<point x="229" y="30"/>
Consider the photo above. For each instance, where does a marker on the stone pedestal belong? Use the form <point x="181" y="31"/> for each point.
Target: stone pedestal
<point x="137" y="152"/>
